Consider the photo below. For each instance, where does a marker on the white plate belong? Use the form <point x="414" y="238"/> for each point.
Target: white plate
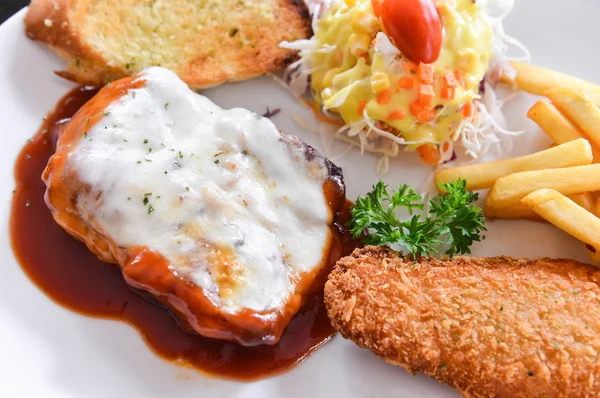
<point x="47" y="351"/>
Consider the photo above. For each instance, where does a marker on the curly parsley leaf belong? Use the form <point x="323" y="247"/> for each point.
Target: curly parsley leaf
<point x="461" y="223"/>
<point x="452" y="221"/>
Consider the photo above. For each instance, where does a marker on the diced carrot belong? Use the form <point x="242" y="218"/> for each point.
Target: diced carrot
<point x="361" y="107"/>
<point x="425" y="114"/>
<point x="415" y="108"/>
<point x="429" y="154"/>
<point x="320" y="116"/>
<point x="376" y="7"/>
<point x="426" y="72"/>
<point x="458" y="75"/>
<point x="426" y="95"/>
<point x="448" y="93"/>
<point x="446" y="146"/>
<point x="406" y="82"/>
<point x="384" y="97"/>
<point x="450" y="80"/>
<point x="395" y="115"/>
<point x="468" y="110"/>
<point x="407" y="65"/>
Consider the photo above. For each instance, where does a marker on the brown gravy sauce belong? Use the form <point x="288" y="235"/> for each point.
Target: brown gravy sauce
<point x="72" y="276"/>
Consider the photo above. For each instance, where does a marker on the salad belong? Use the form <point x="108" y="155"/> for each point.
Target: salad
<point x="417" y="75"/>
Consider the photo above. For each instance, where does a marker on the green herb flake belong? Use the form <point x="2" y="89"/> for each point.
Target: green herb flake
<point x="148" y="160"/>
<point x="217" y="161"/>
<point x="145" y="201"/>
<point x="180" y="155"/>
<point x="145" y="141"/>
<point x="556" y="345"/>
<point x="150" y="209"/>
<point x="148" y="194"/>
<point x="106" y="113"/>
<point x="139" y="161"/>
<point x="166" y="106"/>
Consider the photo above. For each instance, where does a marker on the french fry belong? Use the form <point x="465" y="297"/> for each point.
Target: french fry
<point x="558" y="127"/>
<point x="482" y="176"/>
<point x="537" y="80"/>
<point x="597" y="207"/>
<point x="578" y="107"/>
<point x="585" y="200"/>
<point x="566" y="215"/>
<point x="509" y="190"/>
<point x="518" y="211"/>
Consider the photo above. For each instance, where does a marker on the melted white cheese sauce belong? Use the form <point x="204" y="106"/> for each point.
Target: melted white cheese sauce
<point x="217" y="192"/>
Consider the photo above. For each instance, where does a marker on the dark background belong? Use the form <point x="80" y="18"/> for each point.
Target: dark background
<point x="10" y="7"/>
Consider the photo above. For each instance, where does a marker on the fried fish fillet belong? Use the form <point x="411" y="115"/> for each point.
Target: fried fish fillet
<point x="489" y="327"/>
<point x="205" y="42"/>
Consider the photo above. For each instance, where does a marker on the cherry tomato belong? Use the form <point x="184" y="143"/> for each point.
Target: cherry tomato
<point x="415" y="28"/>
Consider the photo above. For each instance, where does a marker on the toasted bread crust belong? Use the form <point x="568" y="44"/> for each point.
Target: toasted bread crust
<point x="489" y="327"/>
<point x="64" y="26"/>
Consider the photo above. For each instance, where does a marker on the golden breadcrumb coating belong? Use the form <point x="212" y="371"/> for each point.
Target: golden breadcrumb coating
<point x="490" y="327"/>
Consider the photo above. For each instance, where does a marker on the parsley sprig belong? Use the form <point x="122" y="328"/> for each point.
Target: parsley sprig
<point x="451" y="222"/>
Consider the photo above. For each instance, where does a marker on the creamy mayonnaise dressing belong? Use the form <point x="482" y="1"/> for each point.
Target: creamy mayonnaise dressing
<point x="233" y="206"/>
